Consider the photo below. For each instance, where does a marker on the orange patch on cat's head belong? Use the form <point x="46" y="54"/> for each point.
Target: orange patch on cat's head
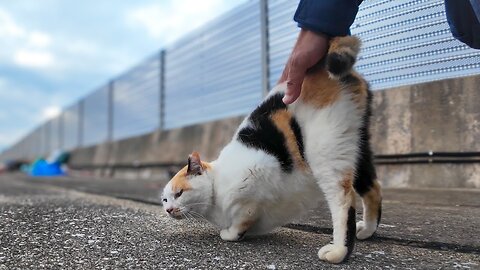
<point x="181" y="180"/>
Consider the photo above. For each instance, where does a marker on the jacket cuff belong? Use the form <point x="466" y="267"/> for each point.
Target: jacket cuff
<point x="330" y="17"/>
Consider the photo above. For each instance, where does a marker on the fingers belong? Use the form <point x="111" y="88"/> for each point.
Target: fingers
<point x="308" y="50"/>
<point x="295" y="75"/>
<point x="284" y="76"/>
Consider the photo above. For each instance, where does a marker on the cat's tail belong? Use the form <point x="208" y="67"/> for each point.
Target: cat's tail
<point x="342" y="55"/>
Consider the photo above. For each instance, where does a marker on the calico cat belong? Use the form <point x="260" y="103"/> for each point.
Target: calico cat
<point x="283" y="157"/>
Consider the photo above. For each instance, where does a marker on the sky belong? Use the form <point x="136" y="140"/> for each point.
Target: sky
<point x="53" y="52"/>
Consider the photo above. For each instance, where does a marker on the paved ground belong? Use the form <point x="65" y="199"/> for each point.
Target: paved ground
<point x="90" y="223"/>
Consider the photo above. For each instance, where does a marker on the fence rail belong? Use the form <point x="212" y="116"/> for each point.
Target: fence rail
<point x="224" y="69"/>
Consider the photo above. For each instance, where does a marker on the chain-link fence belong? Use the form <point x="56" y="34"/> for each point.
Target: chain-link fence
<point x="224" y="69"/>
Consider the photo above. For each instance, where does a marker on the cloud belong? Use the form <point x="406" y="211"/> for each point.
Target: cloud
<point x="168" y="21"/>
<point x="33" y="58"/>
<point x="47" y="65"/>
<point x="24" y="107"/>
<point x="8" y="26"/>
<point x="33" y="52"/>
<point x="51" y="112"/>
<point x="39" y="39"/>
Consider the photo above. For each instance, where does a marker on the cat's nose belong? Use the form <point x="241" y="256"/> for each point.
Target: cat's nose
<point x="169" y="210"/>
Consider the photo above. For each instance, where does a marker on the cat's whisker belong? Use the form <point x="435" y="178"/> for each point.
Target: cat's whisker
<point x="199" y="215"/>
<point x="199" y="220"/>
<point x="198" y="204"/>
<point x="193" y="219"/>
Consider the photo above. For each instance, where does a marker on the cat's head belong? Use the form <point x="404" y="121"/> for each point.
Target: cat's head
<point x="189" y="192"/>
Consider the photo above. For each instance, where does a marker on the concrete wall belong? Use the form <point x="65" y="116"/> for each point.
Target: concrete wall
<point x="163" y="147"/>
<point x="437" y="116"/>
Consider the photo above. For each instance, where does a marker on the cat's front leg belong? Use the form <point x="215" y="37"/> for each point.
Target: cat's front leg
<point x="243" y="220"/>
<point x="341" y="200"/>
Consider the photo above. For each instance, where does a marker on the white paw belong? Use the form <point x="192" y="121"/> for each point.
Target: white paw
<point x="364" y="231"/>
<point x="332" y="253"/>
<point x="227" y="235"/>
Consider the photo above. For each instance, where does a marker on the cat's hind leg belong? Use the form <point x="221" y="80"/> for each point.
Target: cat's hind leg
<point x="368" y="188"/>
<point x="341" y="201"/>
<point x="372" y="211"/>
<point x="243" y="219"/>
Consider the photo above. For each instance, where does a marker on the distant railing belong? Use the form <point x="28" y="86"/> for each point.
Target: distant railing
<point x="225" y="68"/>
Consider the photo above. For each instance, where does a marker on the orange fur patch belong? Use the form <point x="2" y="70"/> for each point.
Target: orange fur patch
<point x="282" y="119"/>
<point x="347" y="185"/>
<point x="319" y="90"/>
<point x="340" y="44"/>
<point x="372" y="200"/>
<point x="244" y="226"/>
<point x="206" y="165"/>
<point x="180" y="181"/>
<point x="347" y="182"/>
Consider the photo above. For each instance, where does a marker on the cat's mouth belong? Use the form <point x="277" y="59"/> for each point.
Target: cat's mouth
<point x="176" y="214"/>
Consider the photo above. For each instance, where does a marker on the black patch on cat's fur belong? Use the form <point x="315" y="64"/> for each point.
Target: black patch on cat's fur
<point x="349" y="79"/>
<point x="365" y="170"/>
<point x="351" y="231"/>
<point x="269" y="139"/>
<point x="241" y="235"/>
<point x="268" y="107"/>
<point x="298" y="136"/>
<point x="264" y="135"/>
<point x="338" y="64"/>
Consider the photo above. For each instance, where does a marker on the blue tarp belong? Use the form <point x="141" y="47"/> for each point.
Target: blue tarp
<point x="43" y="168"/>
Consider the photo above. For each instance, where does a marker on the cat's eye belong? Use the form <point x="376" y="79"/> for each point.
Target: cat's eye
<point x="178" y="194"/>
<point x="164" y="200"/>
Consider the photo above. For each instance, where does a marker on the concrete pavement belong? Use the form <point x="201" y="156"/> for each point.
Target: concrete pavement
<point x="86" y="223"/>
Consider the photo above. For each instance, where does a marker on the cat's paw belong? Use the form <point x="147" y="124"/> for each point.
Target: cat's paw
<point x="365" y="231"/>
<point x="332" y="253"/>
<point x="228" y="235"/>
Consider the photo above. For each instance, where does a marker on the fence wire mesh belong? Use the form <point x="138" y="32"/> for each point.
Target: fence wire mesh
<point x="216" y="71"/>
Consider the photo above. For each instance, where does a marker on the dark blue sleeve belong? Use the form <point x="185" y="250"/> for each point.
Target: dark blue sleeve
<point x="476" y="8"/>
<point x="330" y="17"/>
<point x="463" y="21"/>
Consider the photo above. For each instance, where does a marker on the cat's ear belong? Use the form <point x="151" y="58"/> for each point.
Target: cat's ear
<point x="194" y="164"/>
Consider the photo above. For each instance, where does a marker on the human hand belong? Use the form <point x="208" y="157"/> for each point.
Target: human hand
<point x="308" y="50"/>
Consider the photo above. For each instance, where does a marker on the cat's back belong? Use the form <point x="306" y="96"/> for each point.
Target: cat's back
<point x="329" y="110"/>
<point x="272" y="128"/>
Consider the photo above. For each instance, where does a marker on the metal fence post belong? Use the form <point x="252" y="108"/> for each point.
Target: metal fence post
<point x="161" y="88"/>
<point x="48" y="134"/>
<point x="265" y="46"/>
<point x="61" y="130"/>
<point x="110" y="112"/>
<point x="80" y="122"/>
